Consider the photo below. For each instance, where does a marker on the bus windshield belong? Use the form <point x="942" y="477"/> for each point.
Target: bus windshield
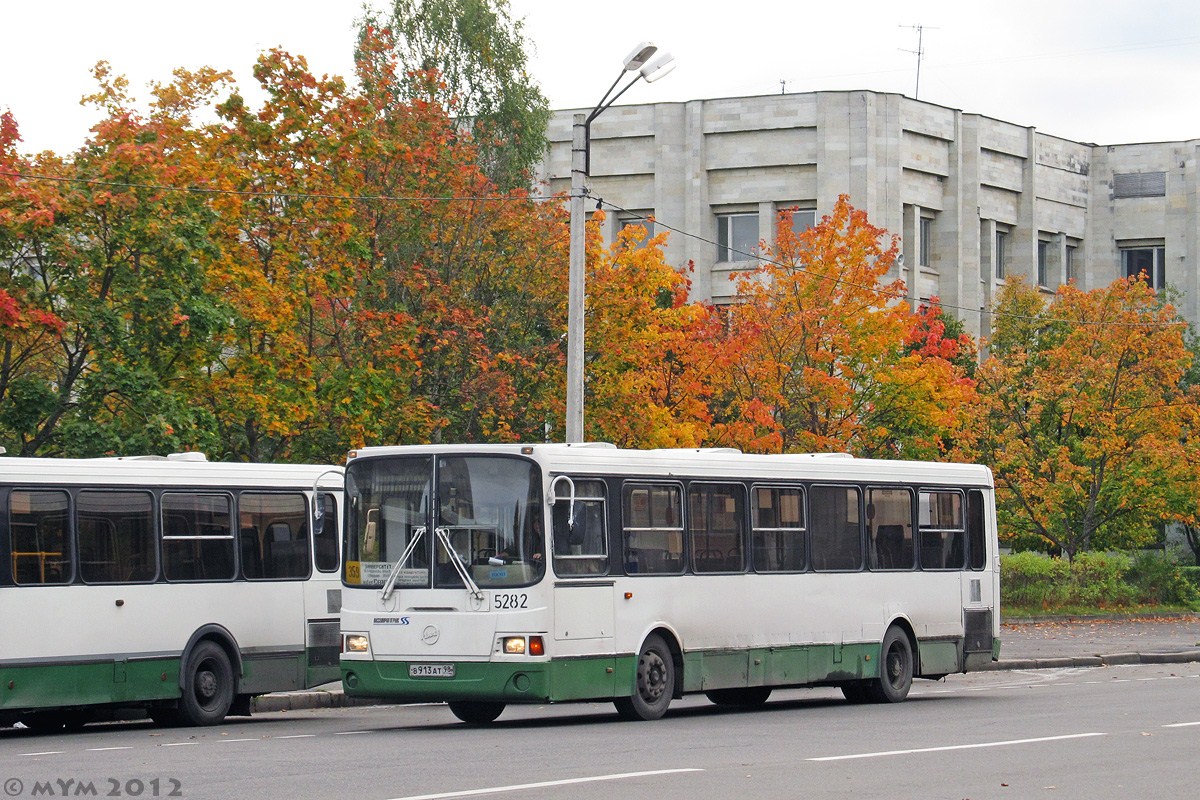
<point x="412" y="518"/>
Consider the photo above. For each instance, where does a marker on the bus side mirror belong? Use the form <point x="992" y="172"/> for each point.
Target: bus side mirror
<point x="317" y="507"/>
<point x="554" y="498"/>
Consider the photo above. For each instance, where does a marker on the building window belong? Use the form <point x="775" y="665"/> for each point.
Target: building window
<point x="1001" y="254"/>
<point x="802" y="220"/>
<point x="1140" y="184"/>
<point x="1069" y="263"/>
<point x="737" y="236"/>
<point x="1145" y="261"/>
<point x="926" y="237"/>
<point x="1043" y="263"/>
<point x="643" y="221"/>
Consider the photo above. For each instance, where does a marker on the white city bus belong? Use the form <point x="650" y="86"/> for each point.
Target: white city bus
<point x="173" y="585"/>
<point x="666" y="572"/>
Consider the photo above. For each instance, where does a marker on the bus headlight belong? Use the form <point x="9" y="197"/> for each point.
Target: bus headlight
<point x="520" y="646"/>
<point x="356" y="643"/>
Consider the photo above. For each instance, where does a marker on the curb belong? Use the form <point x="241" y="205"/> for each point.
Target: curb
<point x="1109" y="660"/>
<point x="301" y="701"/>
<point x="1169" y="616"/>
<point x="335" y="698"/>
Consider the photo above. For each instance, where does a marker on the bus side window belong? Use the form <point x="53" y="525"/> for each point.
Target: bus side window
<point x="835" y="528"/>
<point x="778" y="522"/>
<point x="653" y="528"/>
<point x="581" y="548"/>
<point x="716" y="527"/>
<point x="40" y="540"/>
<point x="278" y="525"/>
<point x="976" y="531"/>
<point x="116" y="537"/>
<point x="941" y="523"/>
<point x="890" y="528"/>
<point x="197" y="536"/>
<point x="325" y="543"/>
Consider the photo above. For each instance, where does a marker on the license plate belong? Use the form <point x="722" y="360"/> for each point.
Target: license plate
<point x="431" y="670"/>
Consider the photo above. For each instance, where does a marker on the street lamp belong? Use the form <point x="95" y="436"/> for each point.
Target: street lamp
<point x="637" y="61"/>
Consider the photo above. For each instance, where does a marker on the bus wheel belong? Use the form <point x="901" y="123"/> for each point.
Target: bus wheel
<point x="895" y="669"/>
<point x="476" y="712"/>
<point x="655" y="684"/>
<point x="208" y="686"/>
<point x="749" y="696"/>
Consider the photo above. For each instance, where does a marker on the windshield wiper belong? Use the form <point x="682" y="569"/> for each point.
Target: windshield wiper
<point x="390" y="584"/>
<point x="443" y="536"/>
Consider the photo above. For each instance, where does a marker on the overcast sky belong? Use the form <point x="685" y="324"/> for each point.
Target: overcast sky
<point x="1103" y="71"/>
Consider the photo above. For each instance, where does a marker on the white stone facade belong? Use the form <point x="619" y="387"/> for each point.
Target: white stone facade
<point x="1049" y="208"/>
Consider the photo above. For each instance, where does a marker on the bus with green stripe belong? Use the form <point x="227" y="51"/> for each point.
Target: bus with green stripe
<point x="483" y="576"/>
<point x="168" y="587"/>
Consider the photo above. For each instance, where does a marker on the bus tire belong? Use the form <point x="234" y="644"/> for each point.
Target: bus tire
<point x="208" y="685"/>
<point x="476" y="712"/>
<point x="746" y="697"/>
<point x="895" y="668"/>
<point x="654" y="685"/>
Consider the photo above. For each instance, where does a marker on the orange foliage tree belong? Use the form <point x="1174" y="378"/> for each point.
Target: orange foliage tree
<point x="98" y="244"/>
<point x="819" y="355"/>
<point x="1084" y="415"/>
<point x="385" y="290"/>
<point x="650" y="353"/>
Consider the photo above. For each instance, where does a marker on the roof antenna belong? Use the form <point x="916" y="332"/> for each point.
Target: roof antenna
<point x="919" y="53"/>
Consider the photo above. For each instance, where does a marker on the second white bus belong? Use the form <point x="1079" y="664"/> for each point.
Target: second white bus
<point x="662" y="573"/>
<point x="169" y="586"/>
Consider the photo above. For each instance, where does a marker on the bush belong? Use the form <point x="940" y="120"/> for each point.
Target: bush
<point x="1032" y="580"/>
<point x="1098" y="579"/>
<point x="1160" y="579"/>
<point x="1191" y="574"/>
<point x="1037" y="582"/>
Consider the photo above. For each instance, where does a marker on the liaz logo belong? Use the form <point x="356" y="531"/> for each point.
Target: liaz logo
<point x="391" y="621"/>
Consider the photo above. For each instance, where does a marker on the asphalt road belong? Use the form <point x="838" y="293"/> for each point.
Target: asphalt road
<point x="1110" y="732"/>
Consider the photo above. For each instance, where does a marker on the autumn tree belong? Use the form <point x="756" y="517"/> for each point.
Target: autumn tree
<point x="381" y="288"/>
<point x="826" y="356"/>
<point x="476" y="50"/>
<point x="118" y="260"/>
<point x="651" y="354"/>
<point x="475" y="272"/>
<point x="28" y="333"/>
<point x="1084" y="416"/>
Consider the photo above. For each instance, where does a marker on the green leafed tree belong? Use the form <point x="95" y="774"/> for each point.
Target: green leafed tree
<point x="477" y="52"/>
<point x="1085" y="415"/>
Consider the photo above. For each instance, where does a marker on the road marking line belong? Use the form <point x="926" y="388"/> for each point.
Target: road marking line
<point x="544" y="784"/>
<point x="229" y="741"/>
<point x="956" y="747"/>
<point x="1182" y="725"/>
<point x="46" y="753"/>
<point x="350" y="733"/>
<point x="102" y="749"/>
<point x="177" y="744"/>
<point x="297" y="736"/>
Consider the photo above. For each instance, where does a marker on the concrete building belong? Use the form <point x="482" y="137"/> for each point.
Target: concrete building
<point x="974" y="199"/>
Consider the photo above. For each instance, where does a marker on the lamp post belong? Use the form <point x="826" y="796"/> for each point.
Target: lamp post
<point x="637" y="61"/>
